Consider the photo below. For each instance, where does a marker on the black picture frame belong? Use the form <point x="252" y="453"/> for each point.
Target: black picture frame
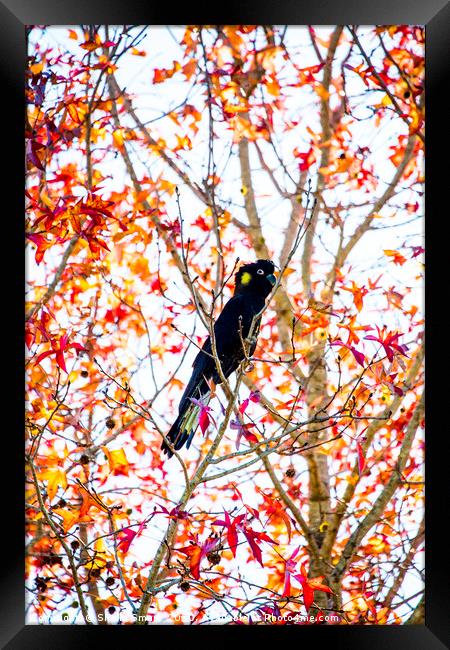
<point x="435" y="15"/>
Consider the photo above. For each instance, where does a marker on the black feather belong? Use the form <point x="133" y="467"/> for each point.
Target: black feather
<point x="231" y="328"/>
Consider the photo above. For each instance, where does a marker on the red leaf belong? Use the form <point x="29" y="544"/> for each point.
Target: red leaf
<point x="309" y="586"/>
<point x="253" y="545"/>
<point x="252" y="537"/>
<point x="361" y="458"/>
<point x="243" y="406"/>
<point x="359" y="356"/>
<point x="32" y="148"/>
<point x="274" y="508"/>
<point x="43" y="355"/>
<point x="243" y="430"/>
<point x="126" y="536"/>
<point x="196" y="557"/>
<point x="204" y="421"/>
<point x="58" y="349"/>
<point x="196" y="553"/>
<point x="60" y="360"/>
<point x="41" y="243"/>
<point x="289" y="568"/>
<point x="232" y="536"/>
<point x="308" y="596"/>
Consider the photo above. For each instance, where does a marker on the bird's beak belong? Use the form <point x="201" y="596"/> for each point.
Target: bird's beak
<point x="272" y="279"/>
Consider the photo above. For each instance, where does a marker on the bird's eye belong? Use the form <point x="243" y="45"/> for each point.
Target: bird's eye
<point x="260" y="272"/>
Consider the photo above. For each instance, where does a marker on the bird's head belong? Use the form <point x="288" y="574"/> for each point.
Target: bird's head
<point x="256" y="278"/>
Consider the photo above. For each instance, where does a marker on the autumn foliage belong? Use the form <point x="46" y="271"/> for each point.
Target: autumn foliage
<point x="157" y="160"/>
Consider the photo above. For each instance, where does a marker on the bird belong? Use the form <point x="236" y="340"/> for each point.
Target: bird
<point x="253" y="283"/>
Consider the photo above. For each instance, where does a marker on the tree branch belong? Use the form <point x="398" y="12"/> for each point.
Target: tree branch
<point x="381" y="502"/>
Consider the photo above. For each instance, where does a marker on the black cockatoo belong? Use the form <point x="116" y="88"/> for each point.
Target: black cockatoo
<point x="253" y="283"/>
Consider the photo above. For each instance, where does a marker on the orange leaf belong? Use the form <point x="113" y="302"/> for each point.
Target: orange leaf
<point x="118" y="462"/>
<point x="189" y="68"/>
<point x="397" y="257"/>
<point x="89" y="500"/>
<point x="69" y="518"/>
<point x="55" y="478"/>
<point x="36" y="68"/>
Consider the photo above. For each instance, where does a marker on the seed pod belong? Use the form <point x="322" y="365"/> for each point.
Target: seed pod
<point x="213" y="557"/>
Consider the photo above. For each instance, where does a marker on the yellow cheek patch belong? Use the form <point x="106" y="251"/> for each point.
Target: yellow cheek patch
<point x="246" y="277"/>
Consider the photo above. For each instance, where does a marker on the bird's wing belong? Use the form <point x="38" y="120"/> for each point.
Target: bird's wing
<point x="233" y="325"/>
<point x="228" y="343"/>
<point x="230" y="329"/>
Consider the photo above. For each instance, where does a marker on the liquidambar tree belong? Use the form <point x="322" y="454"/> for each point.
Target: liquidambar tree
<point x="158" y="161"/>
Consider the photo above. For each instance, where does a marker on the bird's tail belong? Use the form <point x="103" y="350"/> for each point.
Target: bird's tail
<point x="183" y="429"/>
